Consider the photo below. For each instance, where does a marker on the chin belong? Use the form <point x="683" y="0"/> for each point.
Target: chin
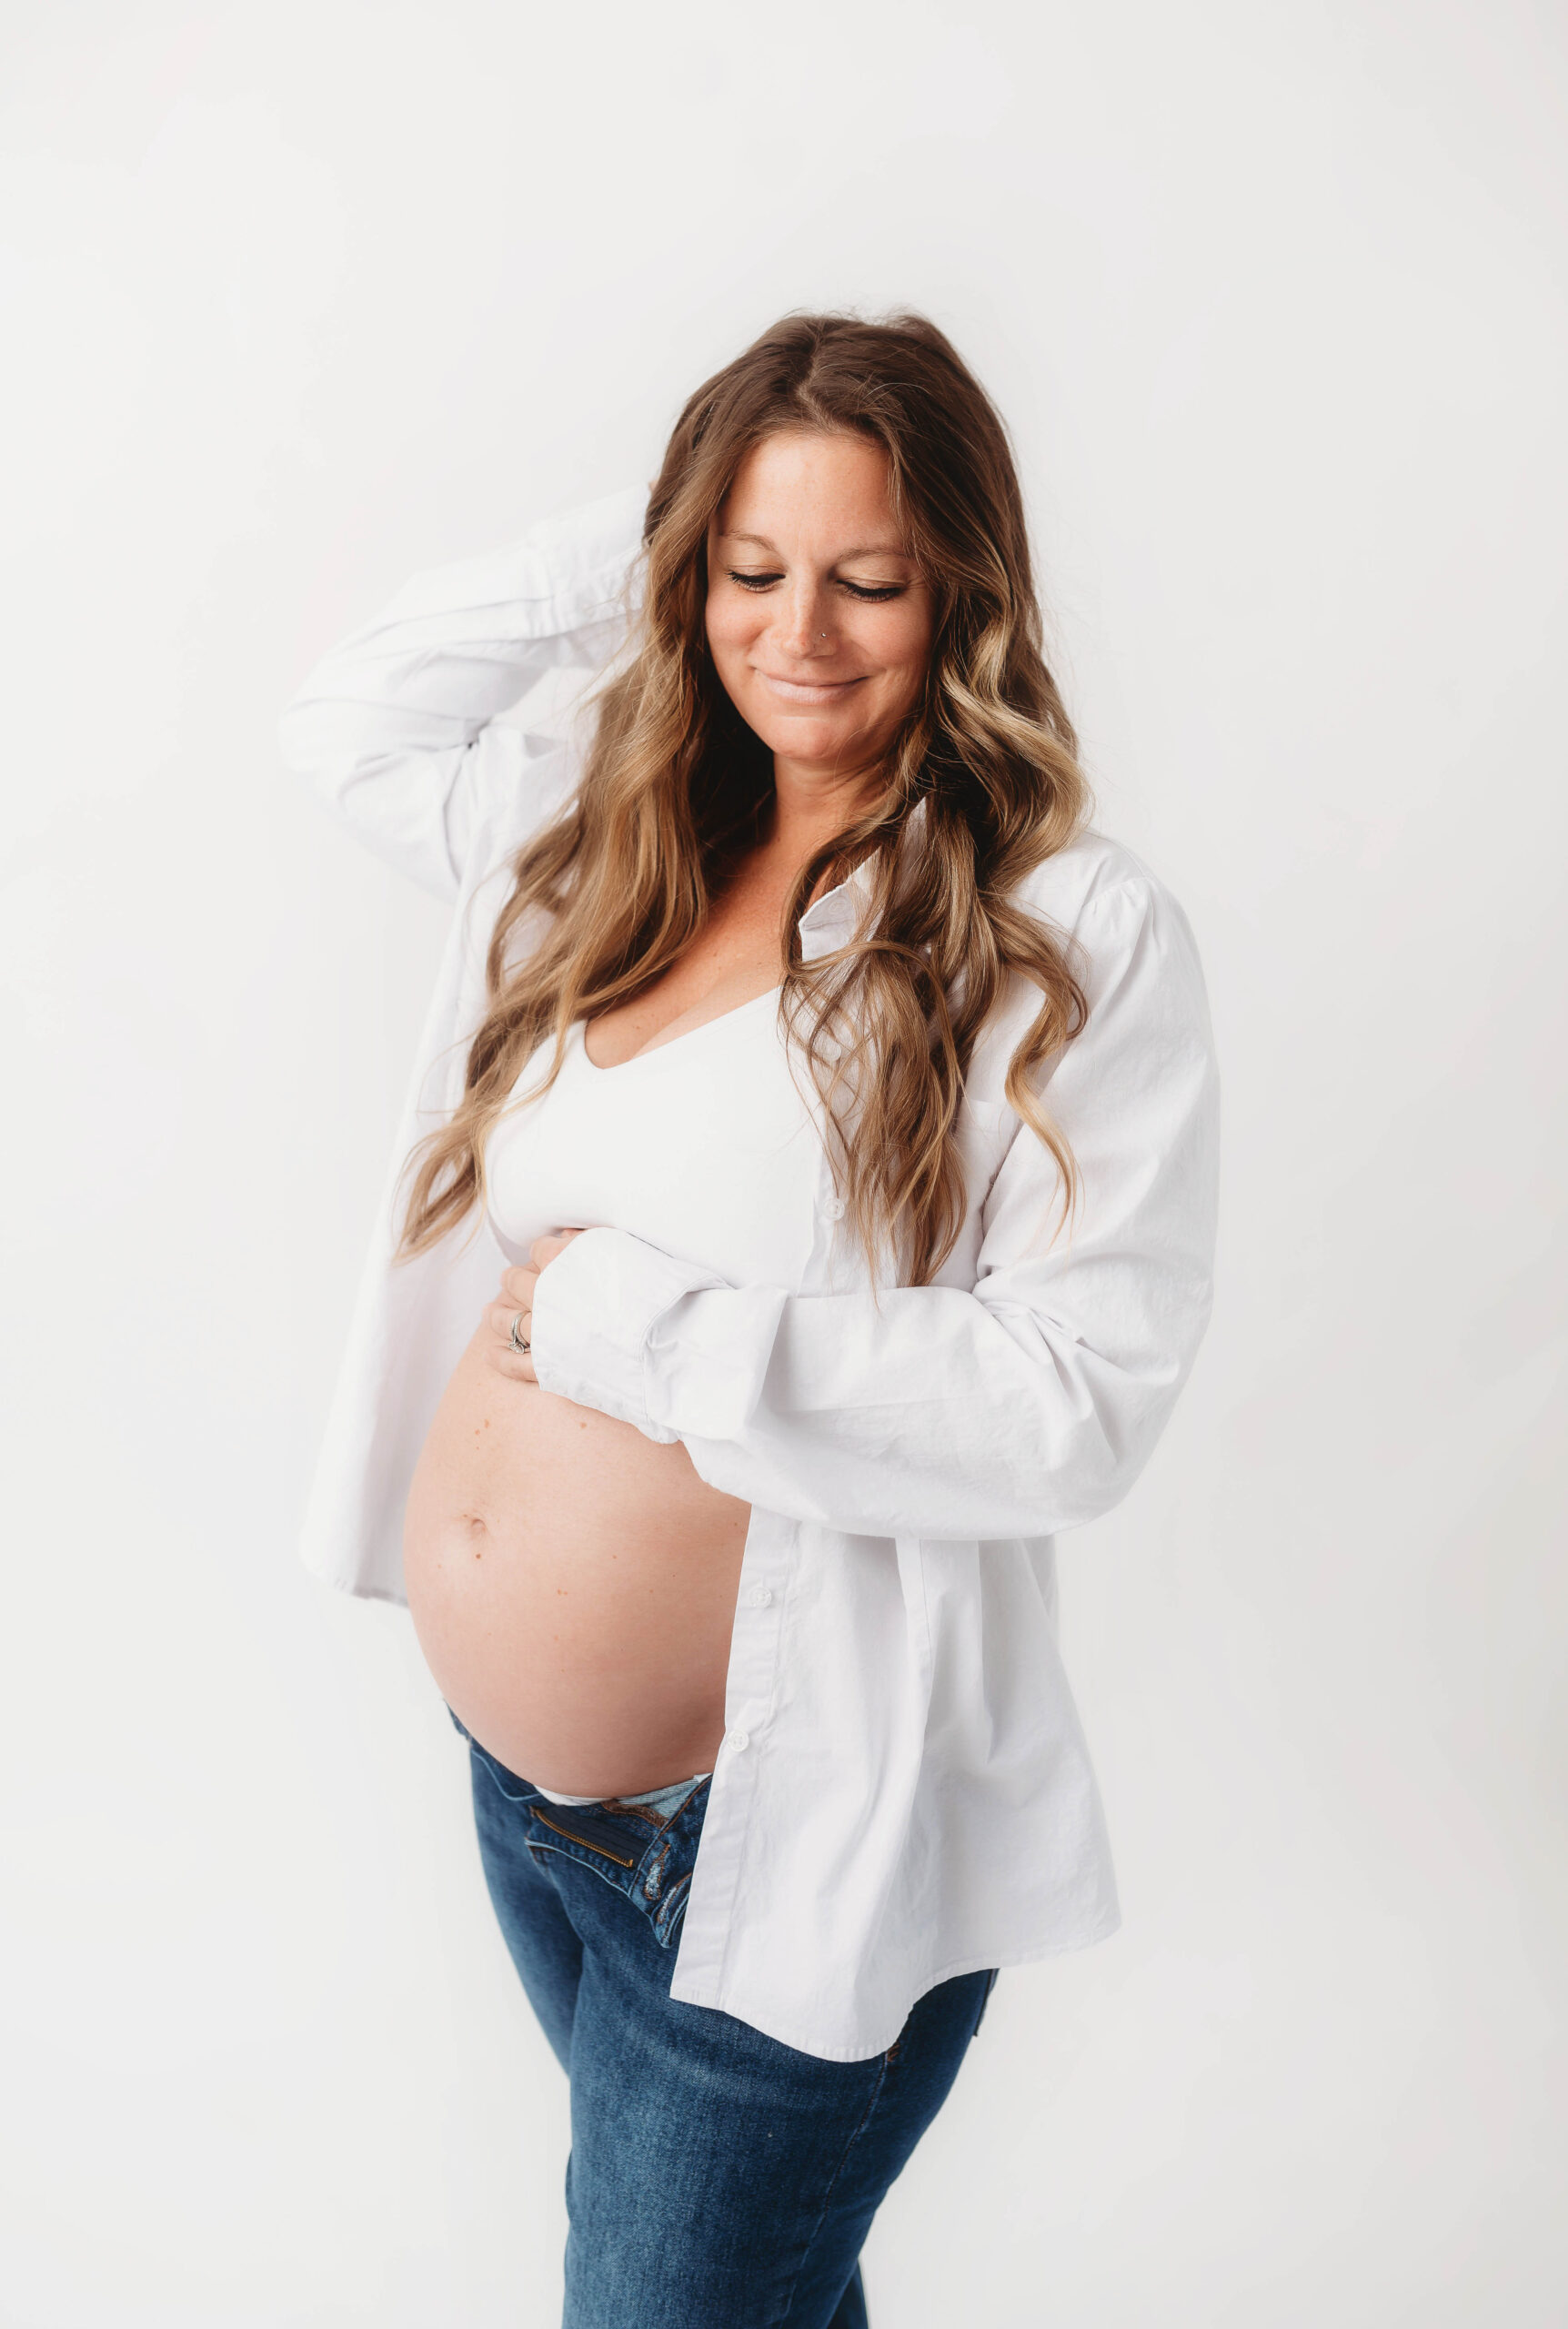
<point x="825" y="742"/>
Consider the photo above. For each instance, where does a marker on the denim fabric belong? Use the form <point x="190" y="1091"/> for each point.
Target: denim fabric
<point x="718" y="2178"/>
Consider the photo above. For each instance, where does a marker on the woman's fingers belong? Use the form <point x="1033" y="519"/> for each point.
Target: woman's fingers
<point x="545" y="1249"/>
<point x="499" y="1348"/>
<point x="518" y="1282"/>
<point x="517" y="1300"/>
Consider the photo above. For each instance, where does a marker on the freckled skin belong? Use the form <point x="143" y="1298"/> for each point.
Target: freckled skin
<point x="558" y="1505"/>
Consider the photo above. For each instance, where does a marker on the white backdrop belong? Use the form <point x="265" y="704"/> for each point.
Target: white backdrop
<point x="303" y="297"/>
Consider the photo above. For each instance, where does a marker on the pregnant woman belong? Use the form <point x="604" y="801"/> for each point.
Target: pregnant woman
<point x="804" y="1209"/>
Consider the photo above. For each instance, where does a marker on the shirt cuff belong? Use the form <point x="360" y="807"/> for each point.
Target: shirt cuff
<point x="595" y="1307"/>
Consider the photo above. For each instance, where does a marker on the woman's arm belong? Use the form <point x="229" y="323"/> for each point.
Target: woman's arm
<point x="393" y="726"/>
<point x="1026" y="1405"/>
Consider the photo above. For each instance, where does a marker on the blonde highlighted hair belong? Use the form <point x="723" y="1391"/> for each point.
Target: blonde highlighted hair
<point x="676" y="785"/>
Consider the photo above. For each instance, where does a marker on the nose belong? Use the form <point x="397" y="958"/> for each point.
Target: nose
<point x="805" y="626"/>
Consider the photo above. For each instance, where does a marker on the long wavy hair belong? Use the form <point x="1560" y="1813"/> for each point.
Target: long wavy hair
<point x="675" y="788"/>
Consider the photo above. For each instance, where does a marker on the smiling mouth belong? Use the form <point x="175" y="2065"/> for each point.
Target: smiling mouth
<point x="806" y="691"/>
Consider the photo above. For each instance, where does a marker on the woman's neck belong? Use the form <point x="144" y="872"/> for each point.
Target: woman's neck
<point x="809" y="809"/>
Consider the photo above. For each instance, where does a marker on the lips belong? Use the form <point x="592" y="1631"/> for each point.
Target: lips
<point x="807" y="691"/>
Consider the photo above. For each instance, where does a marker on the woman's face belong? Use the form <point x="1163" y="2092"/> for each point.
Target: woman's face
<point x="819" y="623"/>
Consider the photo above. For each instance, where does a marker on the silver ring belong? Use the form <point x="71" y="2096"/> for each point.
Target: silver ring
<point x="514" y="1338"/>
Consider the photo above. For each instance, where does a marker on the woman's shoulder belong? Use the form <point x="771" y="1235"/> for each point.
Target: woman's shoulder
<point x="1094" y="878"/>
<point x="1130" y="943"/>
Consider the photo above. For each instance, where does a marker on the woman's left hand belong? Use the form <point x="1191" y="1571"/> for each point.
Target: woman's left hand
<point x="516" y="1300"/>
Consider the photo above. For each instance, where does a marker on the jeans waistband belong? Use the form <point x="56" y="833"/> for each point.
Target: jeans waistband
<point x="643" y="1851"/>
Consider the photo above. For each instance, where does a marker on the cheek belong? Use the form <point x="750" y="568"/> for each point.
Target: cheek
<point x="731" y="627"/>
<point x="908" y="656"/>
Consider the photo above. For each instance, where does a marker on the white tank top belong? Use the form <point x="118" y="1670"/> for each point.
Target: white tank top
<point x="702" y="1145"/>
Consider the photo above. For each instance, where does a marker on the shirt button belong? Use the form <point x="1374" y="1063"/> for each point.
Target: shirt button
<point x="759" y="1597"/>
<point x="740" y="1740"/>
<point x="834" y="1208"/>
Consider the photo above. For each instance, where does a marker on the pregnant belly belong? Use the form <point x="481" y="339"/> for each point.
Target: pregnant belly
<point x="572" y="1585"/>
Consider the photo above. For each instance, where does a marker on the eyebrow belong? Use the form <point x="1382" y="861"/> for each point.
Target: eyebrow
<point x="870" y="549"/>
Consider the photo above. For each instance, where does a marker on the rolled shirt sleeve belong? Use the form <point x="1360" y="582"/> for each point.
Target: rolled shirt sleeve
<point x="1026" y="1404"/>
<point x="394" y="726"/>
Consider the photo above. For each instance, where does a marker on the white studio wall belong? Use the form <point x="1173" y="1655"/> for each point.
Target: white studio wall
<point x="304" y="299"/>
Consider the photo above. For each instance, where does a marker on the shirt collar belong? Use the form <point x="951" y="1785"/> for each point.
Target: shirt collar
<point x="834" y="918"/>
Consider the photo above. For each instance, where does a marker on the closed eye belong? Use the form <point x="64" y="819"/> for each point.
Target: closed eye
<point x="874" y="591"/>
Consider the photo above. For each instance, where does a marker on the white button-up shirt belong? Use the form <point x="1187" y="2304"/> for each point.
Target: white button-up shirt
<point x="904" y="1793"/>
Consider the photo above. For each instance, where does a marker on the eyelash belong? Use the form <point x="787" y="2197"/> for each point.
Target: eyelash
<point x="875" y="594"/>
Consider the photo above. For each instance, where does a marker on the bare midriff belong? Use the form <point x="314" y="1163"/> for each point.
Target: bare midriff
<point x="572" y="1584"/>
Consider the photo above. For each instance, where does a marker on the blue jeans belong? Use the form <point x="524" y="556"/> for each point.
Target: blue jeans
<point x="718" y="2178"/>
